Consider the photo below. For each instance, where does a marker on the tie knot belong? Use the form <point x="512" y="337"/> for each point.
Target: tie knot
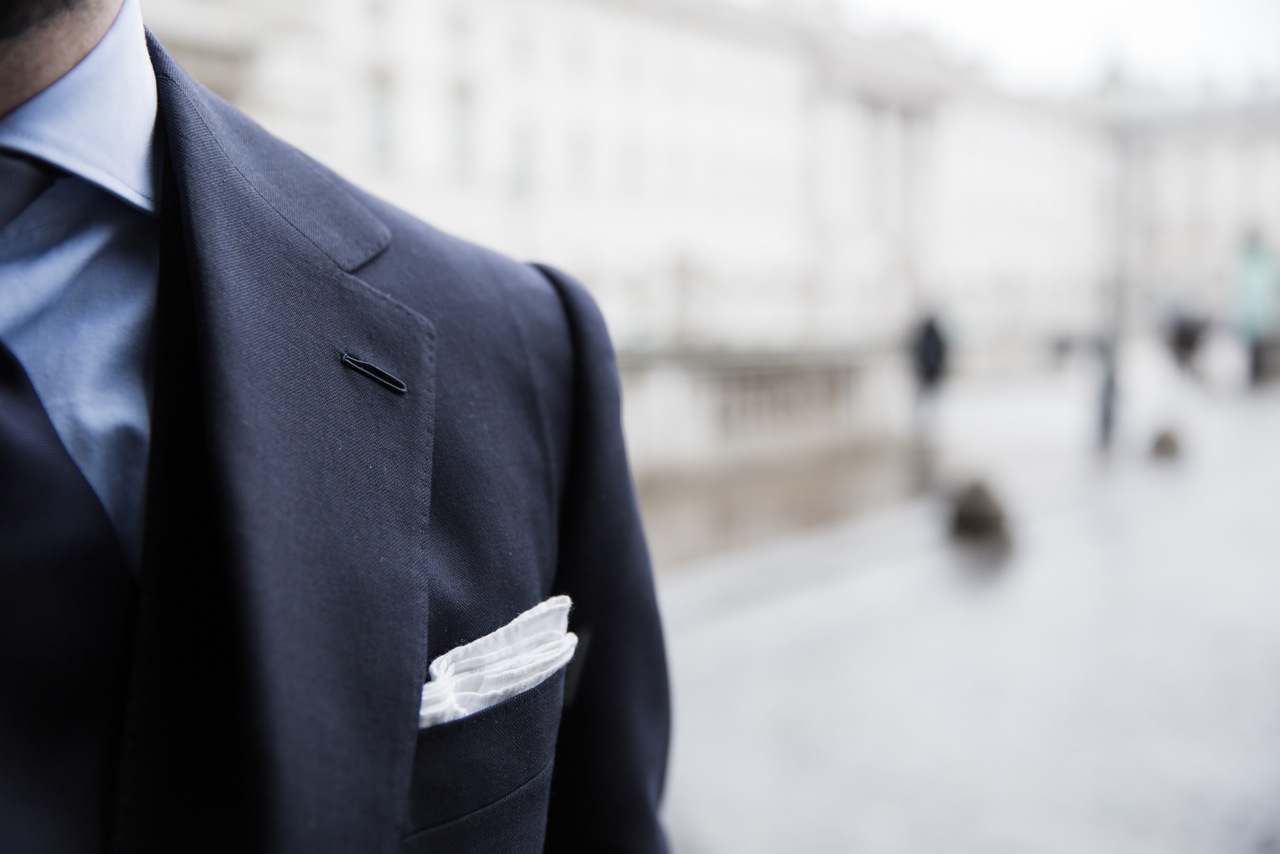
<point x="22" y="179"/>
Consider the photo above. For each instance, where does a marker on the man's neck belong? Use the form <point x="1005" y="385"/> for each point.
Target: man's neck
<point x="37" y="59"/>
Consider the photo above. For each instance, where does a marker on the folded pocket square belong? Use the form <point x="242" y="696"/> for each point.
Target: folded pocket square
<point x="503" y="663"/>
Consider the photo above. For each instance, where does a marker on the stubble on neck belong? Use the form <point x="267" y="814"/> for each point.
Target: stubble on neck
<point x="40" y="56"/>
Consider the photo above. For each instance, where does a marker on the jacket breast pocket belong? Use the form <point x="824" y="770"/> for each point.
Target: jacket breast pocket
<point x="482" y="783"/>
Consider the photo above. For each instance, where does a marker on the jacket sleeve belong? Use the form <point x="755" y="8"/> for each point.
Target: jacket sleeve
<point x="611" y="753"/>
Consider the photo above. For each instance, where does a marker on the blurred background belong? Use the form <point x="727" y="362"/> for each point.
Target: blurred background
<point x="945" y="331"/>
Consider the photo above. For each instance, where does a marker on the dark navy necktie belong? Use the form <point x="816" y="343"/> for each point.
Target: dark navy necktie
<point x="21" y="181"/>
<point x="67" y="602"/>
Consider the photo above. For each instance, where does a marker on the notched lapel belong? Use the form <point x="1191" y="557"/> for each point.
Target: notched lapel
<point x="322" y="477"/>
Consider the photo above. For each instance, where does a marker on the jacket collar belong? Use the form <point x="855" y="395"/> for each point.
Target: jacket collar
<point x="321" y="480"/>
<point x="226" y="155"/>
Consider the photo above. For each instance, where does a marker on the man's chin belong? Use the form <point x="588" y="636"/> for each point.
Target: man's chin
<point x="19" y="17"/>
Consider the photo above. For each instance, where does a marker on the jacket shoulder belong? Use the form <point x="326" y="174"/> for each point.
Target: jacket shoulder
<point x="446" y="276"/>
<point x="426" y="269"/>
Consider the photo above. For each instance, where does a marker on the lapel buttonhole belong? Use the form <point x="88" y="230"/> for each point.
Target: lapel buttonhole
<point x="375" y="373"/>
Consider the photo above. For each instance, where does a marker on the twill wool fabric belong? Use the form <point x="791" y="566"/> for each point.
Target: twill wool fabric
<point x="373" y="443"/>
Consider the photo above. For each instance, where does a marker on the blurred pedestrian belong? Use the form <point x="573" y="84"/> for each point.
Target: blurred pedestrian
<point x="929" y="364"/>
<point x="1109" y="393"/>
<point x="929" y="354"/>
<point x="1185" y="334"/>
<point x="1257" y="290"/>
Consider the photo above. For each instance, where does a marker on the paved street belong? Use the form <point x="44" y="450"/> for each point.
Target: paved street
<point x="1112" y="684"/>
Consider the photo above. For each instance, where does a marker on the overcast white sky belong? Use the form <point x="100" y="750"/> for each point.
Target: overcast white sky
<point x="1066" y="44"/>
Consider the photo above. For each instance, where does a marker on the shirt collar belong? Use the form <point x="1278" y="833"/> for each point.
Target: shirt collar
<point x="98" y="121"/>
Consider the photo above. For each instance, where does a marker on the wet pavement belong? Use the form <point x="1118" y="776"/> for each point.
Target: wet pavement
<point x="1110" y="684"/>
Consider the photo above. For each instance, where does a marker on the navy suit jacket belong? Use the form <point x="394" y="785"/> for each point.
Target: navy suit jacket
<point x="315" y="537"/>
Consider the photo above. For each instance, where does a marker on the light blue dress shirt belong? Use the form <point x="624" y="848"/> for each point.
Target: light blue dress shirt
<point x="79" y="266"/>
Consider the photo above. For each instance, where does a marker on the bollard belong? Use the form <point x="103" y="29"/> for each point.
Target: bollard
<point x="1166" y="447"/>
<point x="977" y="515"/>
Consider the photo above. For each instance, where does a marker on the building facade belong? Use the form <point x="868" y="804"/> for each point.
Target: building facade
<point x="761" y="199"/>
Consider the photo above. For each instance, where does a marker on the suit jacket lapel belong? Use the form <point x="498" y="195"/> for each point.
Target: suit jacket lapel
<point x="306" y="597"/>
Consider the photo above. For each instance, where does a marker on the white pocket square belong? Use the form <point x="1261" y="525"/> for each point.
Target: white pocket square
<point x="503" y="663"/>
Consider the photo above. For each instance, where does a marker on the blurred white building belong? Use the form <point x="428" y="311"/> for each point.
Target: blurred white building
<point x="1202" y="177"/>
<point x="760" y="199"/>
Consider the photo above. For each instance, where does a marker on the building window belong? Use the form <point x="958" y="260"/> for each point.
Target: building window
<point x="522" y="49"/>
<point x="578" y="57"/>
<point x="581" y="165"/>
<point x="459" y="23"/>
<point x="524" y="160"/>
<point x="462" y="119"/>
<point x="631" y="167"/>
<point x="381" y="119"/>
